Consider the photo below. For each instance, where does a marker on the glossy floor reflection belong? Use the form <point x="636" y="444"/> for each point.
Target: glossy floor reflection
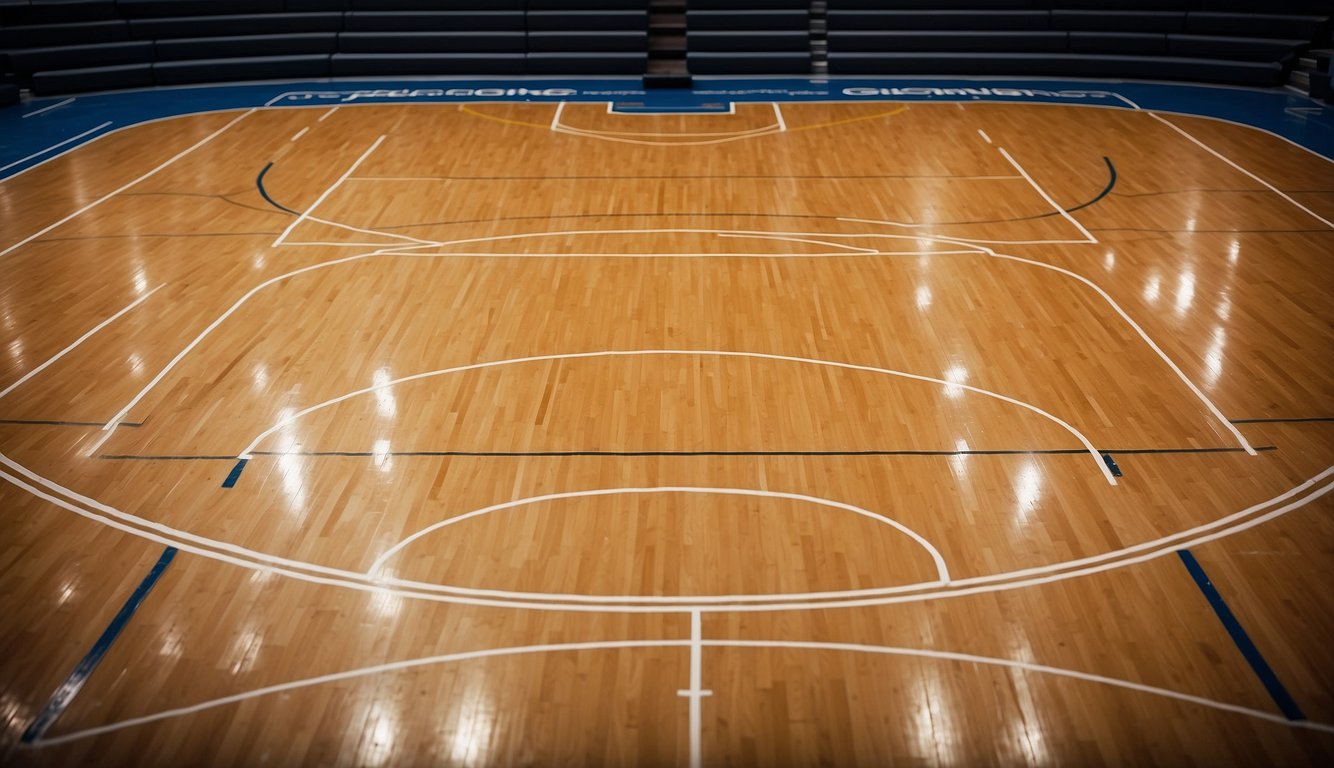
<point x="812" y="433"/>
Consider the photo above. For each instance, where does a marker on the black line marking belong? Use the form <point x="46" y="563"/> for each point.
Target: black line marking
<point x="225" y="198"/>
<point x="662" y="178"/>
<point x="1298" y="420"/>
<point x="64" y="423"/>
<point x="1111" y="184"/>
<point x="1187" y="190"/>
<point x="632" y="454"/>
<point x="259" y="184"/>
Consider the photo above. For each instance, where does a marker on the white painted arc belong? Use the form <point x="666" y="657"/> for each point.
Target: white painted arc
<point x="1088" y="446"/>
<point x="1209" y="404"/>
<point x="923" y="653"/>
<point x="942" y="571"/>
<point x="123" y="412"/>
<point x="77" y="342"/>
<point x="349" y="583"/>
<point x="867" y="592"/>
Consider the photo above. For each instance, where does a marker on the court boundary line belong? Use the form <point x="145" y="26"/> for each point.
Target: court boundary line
<point x="1133" y="107"/>
<point x="1064" y="213"/>
<point x="127" y="185"/>
<point x="1088" y="445"/>
<point x="1054" y="572"/>
<point x="981" y="249"/>
<point x="1236" y="166"/>
<point x="695" y="646"/>
<point x="89" y="334"/>
<point x="386" y="250"/>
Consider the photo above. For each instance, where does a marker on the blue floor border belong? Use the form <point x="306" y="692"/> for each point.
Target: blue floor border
<point x="1262" y="670"/>
<point x="37" y="130"/>
<point x="64" y="695"/>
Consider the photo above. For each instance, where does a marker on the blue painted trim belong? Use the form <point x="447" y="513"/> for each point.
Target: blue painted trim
<point x="235" y="474"/>
<point x="1295" y="117"/>
<point x="1111" y="465"/>
<point x="1258" y="664"/>
<point x="64" y="695"/>
<point x="259" y="183"/>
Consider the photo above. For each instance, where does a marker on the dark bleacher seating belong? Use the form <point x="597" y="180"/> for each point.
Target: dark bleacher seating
<point x="59" y="46"/>
<point x="748" y="37"/>
<point x="1250" y="42"/>
<point x="595" y="49"/>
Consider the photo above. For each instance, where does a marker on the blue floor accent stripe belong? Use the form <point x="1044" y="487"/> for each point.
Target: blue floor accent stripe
<point x="235" y="474"/>
<point x="1258" y="664"/>
<point x="60" y="700"/>
<point x="1111" y="464"/>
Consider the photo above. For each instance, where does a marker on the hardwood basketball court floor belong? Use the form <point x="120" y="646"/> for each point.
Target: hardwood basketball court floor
<point x="521" y="433"/>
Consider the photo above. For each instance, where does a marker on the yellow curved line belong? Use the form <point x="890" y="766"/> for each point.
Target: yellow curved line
<point x="484" y="116"/>
<point x="890" y="113"/>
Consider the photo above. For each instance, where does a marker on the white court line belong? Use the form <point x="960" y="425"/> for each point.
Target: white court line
<point x="115" y="421"/>
<point x="555" y="118"/>
<point x="949" y="238"/>
<point x="942" y="572"/>
<point x="118" y="190"/>
<point x="305" y="214"/>
<point x="932" y="238"/>
<point x="269" y="106"/>
<point x="923" y="653"/>
<point x="20" y="161"/>
<point x="327" y="115"/>
<point x="381" y="233"/>
<point x="1225" y="159"/>
<point x="48" y="108"/>
<point x="778" y="114"/>
<point x="1209" y="404"/>
<point x="356" y="673"/>
<point x="77" y="342"/>
<point x="845" y="252"/>
<point x="1088" y="446"/>
<point x="811" y="241"/>
<point x="267" y="562"/>
<point x="984" y="135"/>
<point x="1062" y="211"/>
<point x="696" y="692"/>
<point x="300" y="133"/>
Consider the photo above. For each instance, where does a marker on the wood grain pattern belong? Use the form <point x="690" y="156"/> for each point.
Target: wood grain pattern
<point x="862" y="313"/>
